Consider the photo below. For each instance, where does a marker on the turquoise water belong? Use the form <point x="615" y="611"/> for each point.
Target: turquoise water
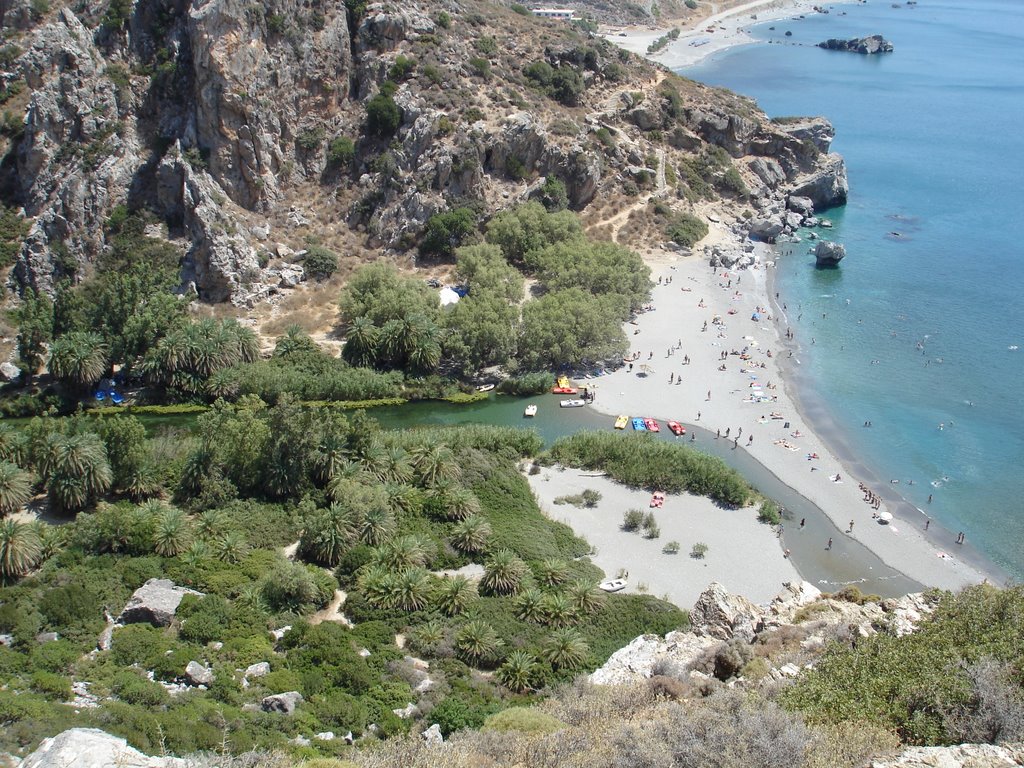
<point x="931" y="136"/>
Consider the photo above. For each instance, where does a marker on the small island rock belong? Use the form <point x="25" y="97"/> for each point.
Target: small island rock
<point x="866" y="45"/>
<point x="828" y="254"/>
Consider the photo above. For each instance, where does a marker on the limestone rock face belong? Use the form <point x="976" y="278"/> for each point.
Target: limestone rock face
<point x="828" y="254"/>
<point x="960" y="756"/>
<point x="825" y="185"/>
<point x="865" y="45"/>
<point x="722" y="615"/>
<point x="155" y="602"/>
<point x="638" y="659"/>
<point x="93" y="748"/>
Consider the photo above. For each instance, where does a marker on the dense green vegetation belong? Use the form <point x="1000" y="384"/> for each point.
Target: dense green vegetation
<point x="380" y="513"/>
<point x="958" y="678"/>
<point x="642" y="462"/>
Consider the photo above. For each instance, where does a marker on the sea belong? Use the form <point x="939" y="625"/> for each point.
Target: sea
<point x="920" y="330"/>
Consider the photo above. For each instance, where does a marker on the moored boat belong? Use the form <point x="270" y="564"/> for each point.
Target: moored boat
<point x="574" y="403"/>
<point x="485" y="388"/>
<point x="564" y="390"/>
<point x="638" y="424"/>
<point x="652" y="425"/>
<point x="531" y="410"/>
<point x="612" y="585"/>
<point x="620" y="423"/>
<point x="677" y="428"/>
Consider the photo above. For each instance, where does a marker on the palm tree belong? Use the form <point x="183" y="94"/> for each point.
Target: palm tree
<point x="211" y="524"/>
<point x="403" y="553"/>
<point x="143" y="482"/>
<point x="376" y="526"/>
<point x="530" y="605"/>
<point x="242" y="344"/>
<point x="15" y="488"/>
<point x="402" y="497"/>
<point x="347" y="478"/>
<point x="330" y="454"/>
<point x="362" y="343"/>
<point x="455" y="594"/>
<point x="328" y="534"/>
<point x="471" y="535"/>
<point x="379" y="586"/>
<point x="230" y="547"/>
<point x="250" y="598"/>
<point x="413" y="589"/>
<point x="427" y="636"/>
<point x="197" y="552"/>
<point x="585" y="596"/>
<point x="433" y="463"/>
<point x="553" y="572"/>
<point x="397" y="467"/>
<point x="478" y="641"/>
<point x="79" y="358"/>
<point x="75" y="469"/>
<point x="558" y="610"/>
<point x="455" y="502"/>
<point x="503" y="573"/>
<point x="374" y="460"/>
<point x="565" y="649"/>
<point x="20" y="549"/>
<point x="392" y="345"/>
<point x="171" y="535"/>
<point x="12" y="445"/>
<point x="423" y="351"/>
<point x="52" y="538"/>
<point x="518" y="671"/>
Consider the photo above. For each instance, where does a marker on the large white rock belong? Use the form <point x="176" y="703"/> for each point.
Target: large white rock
<point x="93" y="748"/>
<point x="960" y="756"/>
<point x="155" y="602"/>
<point x="720" y="614"/>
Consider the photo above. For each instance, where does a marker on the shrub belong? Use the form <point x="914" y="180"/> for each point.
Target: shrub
<point x="432" y="73"/>
<point x="590" y="497"/>
<point x="522" y="720"/>
<point x="340" y="152"/>
<point x="447" y="231"/>
<point x="311" y="139"/>
<point x="632" y="520"/>
<point x="769" y="513"/>
<point x="481" y="67"/>
<point x="672" y="548"/>
<point x="486" y="45"/>
<point x="444" y="20"/>
<point x="383" y="115"/>
<point x="401" y="68"/>
<point x="730" y="657"/>
<point x="687" y="230"/>
<point x="50" y="685"/>
<point x="320" y="263"/>
<point x="699" y="550"/>
<point x="691" y="4"/>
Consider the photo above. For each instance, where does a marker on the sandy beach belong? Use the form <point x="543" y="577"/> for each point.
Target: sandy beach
<point x="733" y="536"/>
<point x="708" y="316"/>
<point x="711" y="34"/>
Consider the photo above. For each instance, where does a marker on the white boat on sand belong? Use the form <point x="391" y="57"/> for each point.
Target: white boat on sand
<point x="613" y="585"/>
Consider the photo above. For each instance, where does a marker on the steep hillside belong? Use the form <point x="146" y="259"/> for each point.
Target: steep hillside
<point x="252" y="131"/>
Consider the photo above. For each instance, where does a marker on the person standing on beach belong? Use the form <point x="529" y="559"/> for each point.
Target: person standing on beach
<point x="850" y="529"/>
<point x="803" y="522"/>
<point x="829" y="547"/>
<point x="927" y="523"/>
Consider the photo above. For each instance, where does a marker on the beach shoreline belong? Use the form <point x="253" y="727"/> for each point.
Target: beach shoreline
<point x="696" y="43"/>
<point x="786" y="443"/>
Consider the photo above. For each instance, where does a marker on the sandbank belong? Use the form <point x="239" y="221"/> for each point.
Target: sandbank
<point x="741" y="401"/>
<point x="695" y="42"/>
<point x="742" y="554"/>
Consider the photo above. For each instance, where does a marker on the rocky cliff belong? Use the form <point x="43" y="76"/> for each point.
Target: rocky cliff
<point x="229" y="121"/>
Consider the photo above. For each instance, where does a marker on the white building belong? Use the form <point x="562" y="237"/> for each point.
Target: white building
<point x="565" y="14"/>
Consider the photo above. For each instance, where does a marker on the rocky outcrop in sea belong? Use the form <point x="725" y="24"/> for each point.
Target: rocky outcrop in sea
<point x="865" y="45"/>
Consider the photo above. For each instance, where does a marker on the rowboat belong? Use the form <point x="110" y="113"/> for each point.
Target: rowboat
<point x="652" y="425"/>
<point x="638" y="424"/>
<point x="613" y="585"/>
<point x="620" y="423"/>
<point x="531" y="410"/>
<point x="677" y="428"/>
<point x="574" y="403"/>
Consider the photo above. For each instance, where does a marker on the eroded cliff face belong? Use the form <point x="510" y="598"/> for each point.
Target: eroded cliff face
<point x="217" y="115"/>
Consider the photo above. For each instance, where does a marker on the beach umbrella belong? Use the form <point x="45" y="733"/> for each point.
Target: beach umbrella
<point x="885" y="517"/>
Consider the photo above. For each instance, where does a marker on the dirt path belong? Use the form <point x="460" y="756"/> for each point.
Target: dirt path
<point x="618" y="219"/>
<point x="332" y="612"/>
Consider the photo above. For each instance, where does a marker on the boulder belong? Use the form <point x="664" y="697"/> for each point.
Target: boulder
<point x="9" y="371"/>
<point x="259" y="669"/>
<point x="825" y="185"/>
<point x="324" y="736"/>
<point x="433" y="735"/>
<point x="284" y="703"/>
<point x="155" y="602"/>
<point x="637" y="661"/>
<point x="93" y="748"/>
<point x="722" y="615"/>
<point x="292" y="275"/>
<point x="47" y="637"/>
<point x="828" y="254"/>
<point x="766" y="229"/>
<point x="866" y="45"/>
<point x="198" y="674"/>
<point x="801" y="205"/>
<point x="960" y="756"/>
